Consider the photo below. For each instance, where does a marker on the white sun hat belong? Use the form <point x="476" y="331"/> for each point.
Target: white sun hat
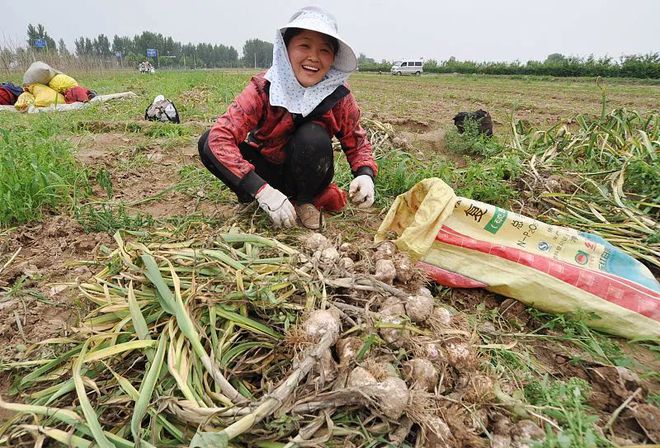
<point x="316" y="19"/>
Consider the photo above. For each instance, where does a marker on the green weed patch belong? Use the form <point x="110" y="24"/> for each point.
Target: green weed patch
<point x="565" y="402"/>
<point x="38" y="173"/>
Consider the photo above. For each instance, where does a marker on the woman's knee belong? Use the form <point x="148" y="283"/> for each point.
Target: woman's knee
<point x="312" y="139"/>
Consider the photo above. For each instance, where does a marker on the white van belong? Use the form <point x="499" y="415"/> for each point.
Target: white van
<point x="408" y="67"/>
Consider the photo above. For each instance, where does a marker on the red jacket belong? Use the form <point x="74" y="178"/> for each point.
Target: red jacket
<point x="270" y="128"/>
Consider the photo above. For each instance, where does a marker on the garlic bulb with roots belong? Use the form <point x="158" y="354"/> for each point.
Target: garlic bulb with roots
<point x="419" y="308"/>
<point x="459" y="355"/>
<point x="404" y="268"/>
<point x="315" y="242"/>
<point x="394" y="336"/>
<point x="392" y="306"/>
<point x="420" y="374"/>
<point x="360" y="377"/>
<point x="479" y="388"/>
<point x="385" y="271"/>
<point x="326" y="368"/>
<point x="350" y="250"/>
<point x="441" y="316"/>
<point x="392" y="396"/>
<point x="424" y="291"/>
<point x="321" y="322"/>
<point x="329" y="255"/>
<point x="347" y="349"/>
<point x="346" y="264"/>
<point x="385" y="250"/>
<point x="438" y="434"/>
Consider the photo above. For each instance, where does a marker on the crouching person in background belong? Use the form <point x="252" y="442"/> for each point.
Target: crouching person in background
<point x="274" y="143"/>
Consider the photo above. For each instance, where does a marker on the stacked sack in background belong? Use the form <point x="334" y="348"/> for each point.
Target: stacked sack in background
<point x="9" y="93"/>
<point x="44" y="86"/>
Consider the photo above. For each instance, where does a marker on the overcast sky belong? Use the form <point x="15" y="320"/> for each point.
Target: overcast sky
<point x="479" y="30"/>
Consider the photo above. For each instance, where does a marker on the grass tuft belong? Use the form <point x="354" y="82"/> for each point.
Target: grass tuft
<point x="38" y="173"/>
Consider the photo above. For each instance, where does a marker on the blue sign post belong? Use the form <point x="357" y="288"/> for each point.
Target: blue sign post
<point x="40" y="43"/>
<point x="153" y="53"/>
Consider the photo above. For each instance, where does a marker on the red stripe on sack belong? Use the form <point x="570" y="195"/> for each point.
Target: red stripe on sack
<point x="559" y="268"/>
<point x="607" y="287"/>
<point x="449" y="278"/>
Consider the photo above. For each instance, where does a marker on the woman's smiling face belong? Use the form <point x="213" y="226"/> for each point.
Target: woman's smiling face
<point x="311" y="56"/>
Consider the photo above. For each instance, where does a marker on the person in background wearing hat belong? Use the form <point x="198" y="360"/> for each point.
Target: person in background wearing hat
<point x="274" y="143"/>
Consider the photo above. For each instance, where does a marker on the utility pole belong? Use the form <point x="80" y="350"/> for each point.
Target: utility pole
<point x="255" y="59"/>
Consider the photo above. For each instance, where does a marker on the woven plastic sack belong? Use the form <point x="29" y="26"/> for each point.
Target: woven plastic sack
<point x="24" y="101"/>
<point x="61" y="83"/>
<point x="469" y="244"/>
<point x="39" y="73"/>
<point x="45" y="96"/>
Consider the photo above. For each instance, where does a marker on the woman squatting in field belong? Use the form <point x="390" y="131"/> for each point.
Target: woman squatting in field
<point x="274" y="143"/>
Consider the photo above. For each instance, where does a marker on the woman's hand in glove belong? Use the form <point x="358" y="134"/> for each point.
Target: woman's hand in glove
<point x="361" y="191"/>
<point x="277" y="205"/>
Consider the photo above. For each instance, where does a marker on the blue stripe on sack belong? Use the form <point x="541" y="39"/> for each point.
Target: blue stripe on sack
<point x="619" y="263"/>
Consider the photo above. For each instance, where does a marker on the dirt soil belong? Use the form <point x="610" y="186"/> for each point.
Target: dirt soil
<point x="51" y="257"/>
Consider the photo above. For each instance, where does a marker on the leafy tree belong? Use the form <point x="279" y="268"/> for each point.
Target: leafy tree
<point x="39" y="32"/>
<point x="122" y="44"/>
<point x="363" y="59"/>
<point x="430" y="64"/>
<point x="61" y="47"/>
<point x="101" y="46"/>
<point x="257" y="53"/>
<point x="555" y="58"/>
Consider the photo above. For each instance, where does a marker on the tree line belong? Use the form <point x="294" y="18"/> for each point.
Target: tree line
<point x="132" y="50"/>
<point x="125" y="50"/>
<point x="556" y="64"/>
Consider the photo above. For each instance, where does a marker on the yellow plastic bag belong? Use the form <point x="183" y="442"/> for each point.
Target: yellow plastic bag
<point x="45" y="96"/>
<point x="24" y="101"/>
<point x="61" y="83"/>
<point x="465" y="243"/>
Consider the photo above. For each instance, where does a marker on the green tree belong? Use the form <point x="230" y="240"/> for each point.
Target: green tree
<point x="364" y="60"/>
<point x="101" y="46"/>
<point x="122" y="44"/>
<point x="257" y="53"/>
<point x="430" y="64"/>
<point x="39" y="32"/>
<point x="555" y="58"/>
<point x="61" y="47"/>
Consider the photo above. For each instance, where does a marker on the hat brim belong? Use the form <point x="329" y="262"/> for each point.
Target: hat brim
<point x="345" y="59"/>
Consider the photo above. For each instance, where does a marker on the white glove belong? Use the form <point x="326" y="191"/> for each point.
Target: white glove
<point x="361" y="191"/>
<point x="277" y="205"/>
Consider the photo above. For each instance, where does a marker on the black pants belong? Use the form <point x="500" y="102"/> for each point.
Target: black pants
<point x="307" y="170"/>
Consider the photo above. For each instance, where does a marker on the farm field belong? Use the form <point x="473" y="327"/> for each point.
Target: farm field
<point x="105" y="170"/>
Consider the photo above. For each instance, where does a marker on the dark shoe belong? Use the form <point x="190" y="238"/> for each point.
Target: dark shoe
<point x="309" y="216"/>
